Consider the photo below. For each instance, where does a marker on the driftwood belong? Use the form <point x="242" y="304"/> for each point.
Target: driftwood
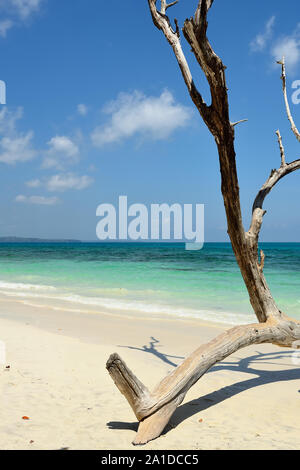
<point x="154" y="409"/>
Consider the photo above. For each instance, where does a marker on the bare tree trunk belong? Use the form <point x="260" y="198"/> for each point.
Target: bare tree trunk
<point x="154" y="409"/>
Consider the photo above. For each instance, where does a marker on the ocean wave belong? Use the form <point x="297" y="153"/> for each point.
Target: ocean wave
<point x="19" y="286"/>
<point x="136" y="307"/>
<point x="159" y="309"/>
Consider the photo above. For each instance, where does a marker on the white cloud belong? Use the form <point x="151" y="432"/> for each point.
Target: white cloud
<point x="34" y="183"/>
<point x="62" y="151"/>
<point x="5" y="26"/>
<point x="260" y="41"/>
<point x="133" y="114"/>
<point x="63" y="182"/>
<point x="82" y="109"/>
<point x="9" y="119"/>
<point x="286" y="45"/>
<point x="64" y="145"/>
<point x="17" y="149"/>
<point x="25" y="8"/>
<point x="15" y="146"/>
<point x="289" y="47"/>
<point x="17" y="12"/>
<point x="38" y="200"/>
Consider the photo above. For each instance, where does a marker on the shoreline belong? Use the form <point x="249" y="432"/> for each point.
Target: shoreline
<point x="141" y="281"/>
<point x="102" y="327"/>
<point x="57" y="378"/>
<point x="131" y="309"/>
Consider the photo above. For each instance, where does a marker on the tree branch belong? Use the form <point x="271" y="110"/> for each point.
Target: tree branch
<point x="165" y="6"/>
<point x="162" y="22"/>
<point x="274" y="178"/>
<point x="201" y="12"/>
<point x="287" y="106"/>
<point x="281" y="148"/>
<point x="154" y="411"/>
<point x="262" y="261"/>
<point x="128" y="384"/>
<point x="276" y="175"/>
<point x="213" y="69"/>
<point x="233" y="124"/>
<point x="171" y="4"/>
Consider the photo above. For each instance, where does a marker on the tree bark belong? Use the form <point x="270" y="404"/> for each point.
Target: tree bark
<point x="154" y="410"/>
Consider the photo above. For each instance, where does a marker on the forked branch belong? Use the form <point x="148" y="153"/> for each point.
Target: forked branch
<point x="274" y="178"/>
<point x="154" y="410"/>
<point x="276" y="175"/>
<point x="162" y="22"/>
<point x="165" y="6"/>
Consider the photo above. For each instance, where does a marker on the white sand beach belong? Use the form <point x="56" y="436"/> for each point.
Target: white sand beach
<point x="57" y="378"/>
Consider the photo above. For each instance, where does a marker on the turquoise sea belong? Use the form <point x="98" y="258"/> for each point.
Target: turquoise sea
<point x="146" y="279"/>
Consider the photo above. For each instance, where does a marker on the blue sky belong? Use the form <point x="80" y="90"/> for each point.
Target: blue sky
<point x="96" y="108"/>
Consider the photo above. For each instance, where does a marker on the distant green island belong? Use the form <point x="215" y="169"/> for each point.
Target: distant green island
<point x="35" y="240"/>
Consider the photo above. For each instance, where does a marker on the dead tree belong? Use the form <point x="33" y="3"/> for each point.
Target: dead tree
<point x="154" y="409"/>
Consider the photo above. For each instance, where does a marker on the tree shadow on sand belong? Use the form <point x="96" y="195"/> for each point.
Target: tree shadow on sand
<point x="261" y="377"/>
<point x="246" y="365"/>
<point x="152" y="349"/>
